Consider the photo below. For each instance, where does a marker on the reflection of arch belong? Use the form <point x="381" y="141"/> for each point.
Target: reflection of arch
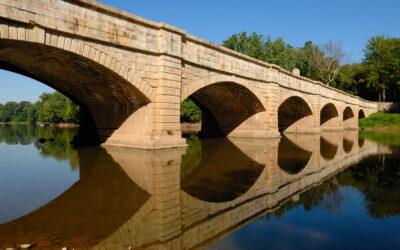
<point x="228" y="104"/>
<point x="223" y="174"/>
<point x="79" y="213"/>
<point x="328" y="150"/>
<point x="347" y="145"/>
<point x="348" y="114"/>
<point x="361" y="142"/>
<point x="328" y="112"/>
<point x="294" y="114"/>
<point x="361" y="114"/>
<point x="292" y="158"/>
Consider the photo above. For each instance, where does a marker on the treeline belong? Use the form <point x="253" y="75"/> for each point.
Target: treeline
<point x="51" y="107"/>
<point x="376" y="77"/>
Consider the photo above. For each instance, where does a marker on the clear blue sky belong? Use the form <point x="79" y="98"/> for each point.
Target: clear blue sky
<point x="352" y="22"/>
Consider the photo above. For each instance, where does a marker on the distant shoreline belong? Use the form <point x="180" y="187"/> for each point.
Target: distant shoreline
<point x="43" y="124"/>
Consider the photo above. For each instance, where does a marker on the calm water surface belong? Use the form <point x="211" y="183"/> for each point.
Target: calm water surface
<point x="328" y="191"/>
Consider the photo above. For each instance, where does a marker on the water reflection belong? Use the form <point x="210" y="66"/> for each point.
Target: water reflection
<point x="223" y="172"/>
<point x="328" y="149"/>
<point x="292" y="158"/>
<point x="185" y="198"/>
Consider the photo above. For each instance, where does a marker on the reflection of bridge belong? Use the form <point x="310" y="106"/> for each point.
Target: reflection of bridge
<point x="106" y="210"/>
<point x="130" y="75"/>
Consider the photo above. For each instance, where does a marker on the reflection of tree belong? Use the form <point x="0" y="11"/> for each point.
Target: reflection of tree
<point x="378" y="179"/>
<point x="192" y="158"/>
<point x="391" y="139"/>
<point x="59" y="147"/>
<point x="57" y="143"/>
<point x="18" y="134"/>
<point x="327" y="196"/>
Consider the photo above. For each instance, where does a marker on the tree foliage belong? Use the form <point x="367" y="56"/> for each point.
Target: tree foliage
<point x="265" y="49"/>
<point x="190" y="112"/>
<point x="51" y="107"/>
<point x="377" y="77"/>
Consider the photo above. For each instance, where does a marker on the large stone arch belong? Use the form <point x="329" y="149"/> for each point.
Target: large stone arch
<point x="329" y="117"/>
<point x="230" y="106"/>
<point x="295" y="114"/>
<point x="108" y="91"/>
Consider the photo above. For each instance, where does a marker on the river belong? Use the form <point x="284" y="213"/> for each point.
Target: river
<point x="315" y="191"/>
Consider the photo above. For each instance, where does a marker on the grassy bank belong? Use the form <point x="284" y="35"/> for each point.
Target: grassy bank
<point x="386" y="138"/>
<point x="381" y="120"/>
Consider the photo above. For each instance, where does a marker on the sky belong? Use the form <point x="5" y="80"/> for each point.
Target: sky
<point x="351" y="22"/>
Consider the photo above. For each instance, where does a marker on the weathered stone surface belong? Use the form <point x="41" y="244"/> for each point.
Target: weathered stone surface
<point x="131" y="74"/>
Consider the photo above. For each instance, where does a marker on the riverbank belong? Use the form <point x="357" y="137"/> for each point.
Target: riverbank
<point x="381" y="121"/>
<point x="190" y="128"/>
<point x="42" y="124"/>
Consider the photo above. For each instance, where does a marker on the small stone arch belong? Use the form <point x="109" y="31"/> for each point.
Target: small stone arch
<point x="348" y="113"/>
<point x="230" y="106"/>
<point x="295" y="114"/>
<point x="361" y="114"/>
<point x="193" y="87"/>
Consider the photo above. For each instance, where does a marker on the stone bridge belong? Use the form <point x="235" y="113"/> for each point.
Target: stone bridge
<point x="130" y="75"/>
<point x="138" y="198"/>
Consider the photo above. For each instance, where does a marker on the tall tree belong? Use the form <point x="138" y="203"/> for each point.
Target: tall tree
<point x="325" y="60"/>
<point x="382" y="59"/>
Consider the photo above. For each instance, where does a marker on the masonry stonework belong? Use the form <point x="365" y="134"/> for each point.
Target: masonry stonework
<point x="130" y="75"/>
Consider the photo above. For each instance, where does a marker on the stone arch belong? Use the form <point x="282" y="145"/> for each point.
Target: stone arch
<point x="348" y="113"/>
<point x="230" y="106"/>
<point x="348" y="118"/>
<point x="108" y="91"/>
<point x="329" y="117"/>
<point x="361" y="114"/>
<point x="295" y="114"/>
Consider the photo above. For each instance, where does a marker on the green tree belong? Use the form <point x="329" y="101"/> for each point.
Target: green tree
<point x="264" y="48"/>
<point x="2" y="114"/>
<point x="10" y="111"/>
<point x="382" y="59"/>
<point x="190" y="112"/>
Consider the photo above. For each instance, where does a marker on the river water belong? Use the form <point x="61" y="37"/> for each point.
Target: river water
<point x="328" y="191"/>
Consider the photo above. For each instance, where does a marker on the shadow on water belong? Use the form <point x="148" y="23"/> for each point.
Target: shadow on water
<point x="215" y="170"/>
